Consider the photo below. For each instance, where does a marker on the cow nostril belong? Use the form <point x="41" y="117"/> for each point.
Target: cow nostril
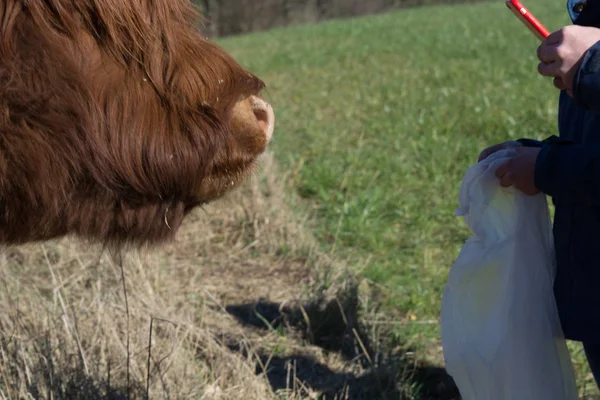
<point x="264" y="116"/>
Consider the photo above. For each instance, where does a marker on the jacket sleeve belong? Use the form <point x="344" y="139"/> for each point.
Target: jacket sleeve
<point x="530" y="142"/>
<point x="586" y="82"/>
<point x="569" y="170"/>
<point x="538" y="143"/>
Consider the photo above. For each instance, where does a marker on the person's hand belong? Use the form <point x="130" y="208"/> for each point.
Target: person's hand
<point x="519" y="171"/>
<point x="562" y="52"/>
<point x="511" y="144"/>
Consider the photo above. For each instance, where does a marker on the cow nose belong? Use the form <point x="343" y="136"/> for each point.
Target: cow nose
<point x="264" y="115"/>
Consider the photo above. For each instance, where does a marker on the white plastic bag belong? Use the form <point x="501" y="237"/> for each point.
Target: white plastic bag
<point x="501" y="333"/>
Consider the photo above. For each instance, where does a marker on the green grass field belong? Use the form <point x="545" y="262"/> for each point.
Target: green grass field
<point x="380" y="117"/>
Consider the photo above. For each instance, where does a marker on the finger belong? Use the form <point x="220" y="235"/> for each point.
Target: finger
<point x="486" y="153"/>
<point x="507" y="180"/>
<point x="554" y="38"/>
<point x="489" y="151"/>
<point x="559" y="83"/>
<point x="547" y="54"/>
<point x="502" y="170"/>
<point x="548" y="69"/>
<point x="483" y="155"/>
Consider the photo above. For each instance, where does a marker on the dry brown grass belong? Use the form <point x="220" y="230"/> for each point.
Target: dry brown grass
<point x="188" y="326"/>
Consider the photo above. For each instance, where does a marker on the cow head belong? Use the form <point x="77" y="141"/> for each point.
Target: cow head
<point x="117" y="118"/>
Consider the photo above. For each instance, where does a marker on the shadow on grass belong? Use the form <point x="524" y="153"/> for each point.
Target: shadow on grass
<point x="303" y="374"/>
<point x="333" y="326"/>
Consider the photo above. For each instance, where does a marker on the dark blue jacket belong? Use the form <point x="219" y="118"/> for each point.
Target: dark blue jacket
<point x="568" y="170"/>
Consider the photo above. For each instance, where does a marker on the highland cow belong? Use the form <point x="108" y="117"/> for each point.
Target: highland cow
<point x="117" y="118"/>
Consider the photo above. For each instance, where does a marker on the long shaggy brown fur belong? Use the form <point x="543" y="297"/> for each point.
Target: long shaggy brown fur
<point x="116" y="119"/>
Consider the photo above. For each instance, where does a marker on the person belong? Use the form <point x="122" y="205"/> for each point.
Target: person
<point x="567" y="169"/>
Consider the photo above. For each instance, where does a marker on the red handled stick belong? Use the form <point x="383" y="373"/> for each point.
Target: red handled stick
<point x="528" y="19"/>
